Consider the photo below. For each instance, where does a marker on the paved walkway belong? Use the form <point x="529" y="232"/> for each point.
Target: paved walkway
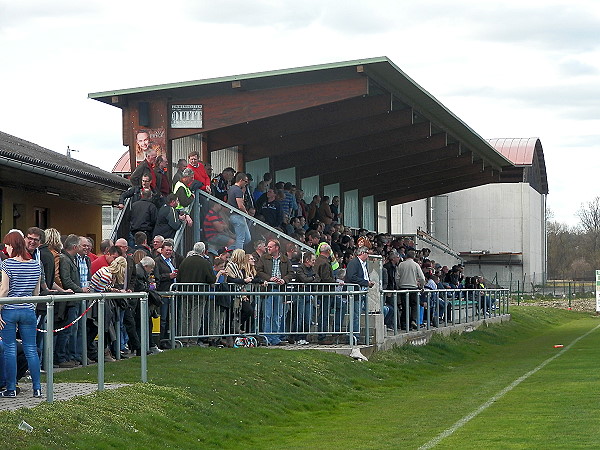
<point x="62" y="391"/>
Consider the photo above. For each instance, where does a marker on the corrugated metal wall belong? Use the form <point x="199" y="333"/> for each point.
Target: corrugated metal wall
<point x="180" y="148"/>
<point x="226" y="157"/>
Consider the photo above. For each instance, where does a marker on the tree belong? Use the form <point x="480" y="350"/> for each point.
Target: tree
<point x="589" y="220"/>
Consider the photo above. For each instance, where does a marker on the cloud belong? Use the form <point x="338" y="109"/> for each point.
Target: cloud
<point x="574" y="68"/>
<point x="18" y="14"/>
<point x="350" y="17"/>
<point x="553" y="27"/>
<point x="572" y="100"/>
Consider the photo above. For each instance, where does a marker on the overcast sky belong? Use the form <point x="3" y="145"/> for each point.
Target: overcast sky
<point x="508" y="69"/>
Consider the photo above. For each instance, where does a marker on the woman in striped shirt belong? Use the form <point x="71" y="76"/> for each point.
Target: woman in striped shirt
<point x="104" y="280"/>
<point x="20" y="278"/>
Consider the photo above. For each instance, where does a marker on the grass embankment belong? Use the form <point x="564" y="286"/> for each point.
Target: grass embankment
<point x="265" y="398"/>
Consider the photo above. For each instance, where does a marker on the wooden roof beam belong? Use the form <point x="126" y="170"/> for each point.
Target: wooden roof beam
<point x="301" y="121"/>
<point x="382" y="160"/>
<point x="395" y="197"/>
<point x="399" y="169"/>
<point x="334" y="134"/>
<point x="347" y="150"/>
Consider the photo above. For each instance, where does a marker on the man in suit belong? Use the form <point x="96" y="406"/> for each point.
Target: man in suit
<point x="357" y="273"/>
<point x="166" y="265"/>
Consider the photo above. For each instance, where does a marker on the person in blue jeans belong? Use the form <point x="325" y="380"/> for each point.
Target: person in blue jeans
<point x="274" y="267"/>
<point x="20" y="278"/>
<point x="235" y="198"/>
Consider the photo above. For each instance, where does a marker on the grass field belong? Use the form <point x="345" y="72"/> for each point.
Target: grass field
<point x="404" y="398"/>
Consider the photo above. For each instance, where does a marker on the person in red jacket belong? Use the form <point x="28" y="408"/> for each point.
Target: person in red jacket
<point x="199" y="171"/>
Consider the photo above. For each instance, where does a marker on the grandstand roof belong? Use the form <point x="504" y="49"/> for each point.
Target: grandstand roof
<point x="28" y="166"/>
<point x="359" y="123"/>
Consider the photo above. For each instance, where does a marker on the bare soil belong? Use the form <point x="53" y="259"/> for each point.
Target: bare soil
<point x="578" y="304"/>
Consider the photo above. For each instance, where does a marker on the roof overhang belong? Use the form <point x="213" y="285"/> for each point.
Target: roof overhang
<point x="28" y="167"/>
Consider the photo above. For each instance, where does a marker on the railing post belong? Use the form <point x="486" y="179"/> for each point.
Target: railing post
<point x="367" y="331"/>
<point x="174" y="318"/>
<point x="49" y="349"/>
<point x="144" y="336"/>
<point x="395" y="306"/>
<point x="117" y="333"/>
<point x="83" y="326"/>
<point x="350" y="318"/>
<point x="101" y="343"/>
<point x="407" y="311"/>
<point x="428" y="312"/>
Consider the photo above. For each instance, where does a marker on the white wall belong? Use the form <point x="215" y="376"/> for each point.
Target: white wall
<point x="499" y="218"/>
<point x="408" y="217"/>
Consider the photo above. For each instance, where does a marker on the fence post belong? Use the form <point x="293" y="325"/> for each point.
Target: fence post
<point x="117" y="333"/>
<point x="172" y="321"/>
<point x="350" y="318"/>
<point x="101" y="343"/>
<point x="395" y="306"/>
<point x="83" y="326"/>
<point x="144" y="336"/>
<point x="367" y="332"/>
<point x="406" y="312"/>
<point x="49" y="349"/>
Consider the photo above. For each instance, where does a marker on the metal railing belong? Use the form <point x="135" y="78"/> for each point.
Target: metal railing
<point x="269" y="311"/>
<point x="121" y="224"/>
<point x="410" y="309"/>
<point x="50" y="301"/>
<point x="205" y="198"/>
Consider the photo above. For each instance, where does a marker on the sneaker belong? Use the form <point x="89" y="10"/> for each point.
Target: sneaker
<point x="155" y="350"/>
<point x="302" y="342"/>
<point x="9" y="394"/>
<point x="37" y="393"/>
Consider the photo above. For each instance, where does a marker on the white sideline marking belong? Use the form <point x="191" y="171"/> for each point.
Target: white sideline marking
<point x="444" y="434"/>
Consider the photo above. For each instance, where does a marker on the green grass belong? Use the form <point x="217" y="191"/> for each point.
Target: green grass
<point x="270" y="398"/>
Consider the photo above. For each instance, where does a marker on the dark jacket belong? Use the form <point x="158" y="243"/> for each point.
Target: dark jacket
<point x="307" y="275"/>
<point x="272" y="213"/>
<point x="143" y="169"/>
<point x="355" y="274"/>
<point x="167" y="222"/>
<point x="135" y="194"/>
<point x="69" y="272"/>
<point x="47" y="260"/>
<point x="143" y="215"/>
<point x="323" y="269"/>
<point x="195" y="269"/>
<point x="164" y="281"/>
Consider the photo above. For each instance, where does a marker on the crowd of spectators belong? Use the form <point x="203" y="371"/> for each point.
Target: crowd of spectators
<point x="233" y="253"/>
